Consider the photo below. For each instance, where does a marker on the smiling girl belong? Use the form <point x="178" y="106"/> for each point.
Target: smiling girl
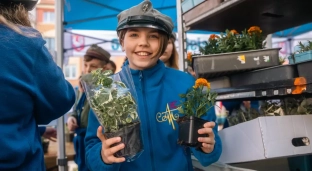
<point x="144" y="33"/>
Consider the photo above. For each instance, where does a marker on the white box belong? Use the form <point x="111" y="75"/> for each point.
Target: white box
<point x="265" y="137"/>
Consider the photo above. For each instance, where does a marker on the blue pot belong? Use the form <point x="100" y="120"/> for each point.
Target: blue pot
<point x="302" y="57"/>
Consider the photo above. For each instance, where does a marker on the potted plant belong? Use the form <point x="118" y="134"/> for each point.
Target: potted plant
<point x="303" y="54"/>
<point x="69" y="136"/>
<point x="194" y="105"/>
<point x="115" y="107"/>
<point x="232" y="52"/>
<point x="45" y="144"/>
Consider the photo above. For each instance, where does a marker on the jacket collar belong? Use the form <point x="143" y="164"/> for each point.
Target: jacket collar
<point x="150" y="77"/>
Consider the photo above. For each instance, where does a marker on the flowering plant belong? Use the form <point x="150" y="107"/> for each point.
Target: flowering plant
<point x="198" y="99"/>
<point x="232" y="41"/>
<point x="189" y="58"/>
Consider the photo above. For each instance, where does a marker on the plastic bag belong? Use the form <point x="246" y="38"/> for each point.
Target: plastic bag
<point x="113" y="99"/>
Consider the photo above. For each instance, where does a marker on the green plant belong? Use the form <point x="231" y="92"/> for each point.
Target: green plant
<point x="281" y="60"/>
<point x="297" y="106"/>
<point x="189" y="58"/>
<point x="211" y="46"/>
<point x="232" y="41"/>
<point x="196" y="102"/>
<point x="305" y="48"/>
<point x="111" y="100"/>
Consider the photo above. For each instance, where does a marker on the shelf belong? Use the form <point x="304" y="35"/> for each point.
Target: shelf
<point x="272" y="90"/>
<point x="270" y="15"/>
<point x="196" y="10"/>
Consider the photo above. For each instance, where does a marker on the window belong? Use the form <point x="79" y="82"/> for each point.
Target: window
<point x="50" y="43"/>
<point x="71" y="71"/>
<point x="48" y="17"/>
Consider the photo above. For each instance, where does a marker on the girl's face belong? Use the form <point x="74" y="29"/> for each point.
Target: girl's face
<point x="141" y="46"/>
<point x="165" y="57"/>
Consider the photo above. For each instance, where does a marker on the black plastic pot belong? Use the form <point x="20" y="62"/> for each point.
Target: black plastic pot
<point x="69" y="137"/>
<point x="131" y="137"/>
<point x="188" y="131"/>
<point x="305" y="69"/>
<point x="45" y="146"/>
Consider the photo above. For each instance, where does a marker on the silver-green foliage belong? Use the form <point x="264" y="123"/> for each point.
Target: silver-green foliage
<point x="111" y="100"/>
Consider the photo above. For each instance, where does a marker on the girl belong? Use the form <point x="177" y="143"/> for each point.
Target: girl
<point x="171" y="57"/>
<point x="143" y="33"/>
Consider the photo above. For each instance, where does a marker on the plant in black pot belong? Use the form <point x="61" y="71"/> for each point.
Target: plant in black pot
<point x="45" y="144"/>
<point x="194" y="105"/>
<point x="113" y="100"/>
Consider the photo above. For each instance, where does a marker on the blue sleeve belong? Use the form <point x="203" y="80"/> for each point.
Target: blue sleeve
<point x="54" y="96"/>
<point x="93" y="147"/>
<point x="254" y="104"/>
<point x="42" y="129"/>
<point x="208" y="159"/>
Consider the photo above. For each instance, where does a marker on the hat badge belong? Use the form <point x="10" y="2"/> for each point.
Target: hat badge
<point x="145" y="7"/>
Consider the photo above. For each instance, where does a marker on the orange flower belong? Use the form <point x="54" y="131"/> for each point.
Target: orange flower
<point x="201" y="82"/>
<point x="234" y="31"/>
<point x="213" y="36"/>
<point x="254" y="29"/>
<point x="189" y="56"/>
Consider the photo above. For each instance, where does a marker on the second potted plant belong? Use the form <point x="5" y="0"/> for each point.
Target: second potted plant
<point x="114" y="104"/>
<point x="194" y="105"/>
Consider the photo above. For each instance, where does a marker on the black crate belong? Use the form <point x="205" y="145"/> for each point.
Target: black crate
<point x="265" y="75"/>
<point x="220" y="82"/>
<point x="211" y="66"/>
<point x="305" y="69"/>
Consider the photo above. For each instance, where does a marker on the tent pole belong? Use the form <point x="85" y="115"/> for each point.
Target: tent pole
<point x="181" y="36"/>
<point x="61" y="155"/>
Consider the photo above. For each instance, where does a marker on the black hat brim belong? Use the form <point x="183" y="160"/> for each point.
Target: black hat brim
<point x="144" y="21"/>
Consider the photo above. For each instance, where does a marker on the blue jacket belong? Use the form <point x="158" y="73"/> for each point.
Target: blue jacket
<point x="156" y="88"/>
<point x="80" y="136"/>
<point x="33" y="92"/>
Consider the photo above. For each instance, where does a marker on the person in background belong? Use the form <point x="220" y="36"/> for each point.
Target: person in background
<point x="171" y="56"/>
<point x="33" y="88"/>
<point x="111" y="66"/>
<point x="95" y="58"/>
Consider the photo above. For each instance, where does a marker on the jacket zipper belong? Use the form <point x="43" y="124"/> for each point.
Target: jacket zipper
<point x="147" y="121"/>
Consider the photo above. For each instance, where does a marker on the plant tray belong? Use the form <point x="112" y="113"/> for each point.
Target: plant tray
<point x="305" y="69"/>
<point x="302" y="57"/>
<point x="211" y="66"/>
<point x="265" y="75"/>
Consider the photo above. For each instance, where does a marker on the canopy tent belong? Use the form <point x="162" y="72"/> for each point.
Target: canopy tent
<point x="101" y="15"/>
<point x="85" y="22"/>
<point x="288" y="39"/>
<point x="295" y="31"/>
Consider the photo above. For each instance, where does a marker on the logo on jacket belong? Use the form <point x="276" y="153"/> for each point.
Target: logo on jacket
<point x="169" y="115"/>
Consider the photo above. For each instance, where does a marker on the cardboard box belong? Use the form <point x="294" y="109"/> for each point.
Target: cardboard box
<point x="265" y="137"/>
